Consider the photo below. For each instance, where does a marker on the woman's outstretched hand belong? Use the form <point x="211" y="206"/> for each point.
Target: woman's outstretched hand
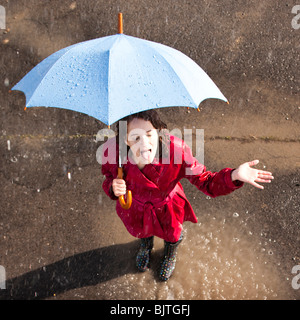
<point x="250" y="175"/>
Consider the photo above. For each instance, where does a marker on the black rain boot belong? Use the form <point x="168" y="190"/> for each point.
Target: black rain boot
<point x="143" y="256"/>
<point x="169" y="260"/>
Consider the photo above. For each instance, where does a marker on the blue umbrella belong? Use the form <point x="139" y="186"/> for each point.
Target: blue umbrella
<point x="111" y="77"/>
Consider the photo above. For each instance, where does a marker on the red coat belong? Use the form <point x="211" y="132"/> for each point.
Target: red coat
<point x="159" y="206"/>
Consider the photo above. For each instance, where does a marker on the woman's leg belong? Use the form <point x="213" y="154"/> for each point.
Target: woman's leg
<point x="169" y="260"/>
<point x="144" y="253"/>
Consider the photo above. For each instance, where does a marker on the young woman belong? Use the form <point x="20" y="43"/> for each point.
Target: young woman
<point x="155" y="165"/>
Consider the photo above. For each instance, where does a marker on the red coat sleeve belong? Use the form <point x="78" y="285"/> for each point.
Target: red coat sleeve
<point x="212" y="184"/>
<point x="107" y="171"/>
<point x="109" y="166"/>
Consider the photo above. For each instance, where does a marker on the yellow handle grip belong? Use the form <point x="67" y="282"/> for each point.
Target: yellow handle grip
<point x="124" y="204"/>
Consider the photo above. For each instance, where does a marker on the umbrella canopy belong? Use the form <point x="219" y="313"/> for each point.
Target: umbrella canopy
<point x="111" y="77"/>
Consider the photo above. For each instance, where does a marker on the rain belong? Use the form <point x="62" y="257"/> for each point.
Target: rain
<point x="60" y="235"/>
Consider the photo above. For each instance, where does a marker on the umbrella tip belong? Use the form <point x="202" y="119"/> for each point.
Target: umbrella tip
<point x="227" y="102"/>
<point x="120" y="23"/>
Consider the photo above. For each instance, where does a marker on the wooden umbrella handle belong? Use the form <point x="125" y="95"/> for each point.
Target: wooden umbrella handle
<point x="124" y="204"/>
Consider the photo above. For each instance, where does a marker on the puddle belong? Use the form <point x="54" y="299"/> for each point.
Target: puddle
<point x="218" y="259"/>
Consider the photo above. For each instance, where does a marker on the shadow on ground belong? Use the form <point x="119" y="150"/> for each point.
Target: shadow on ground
<point x="81" y="270"/>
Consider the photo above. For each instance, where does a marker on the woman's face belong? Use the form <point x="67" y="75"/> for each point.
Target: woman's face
<point x="142" y="138"/>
